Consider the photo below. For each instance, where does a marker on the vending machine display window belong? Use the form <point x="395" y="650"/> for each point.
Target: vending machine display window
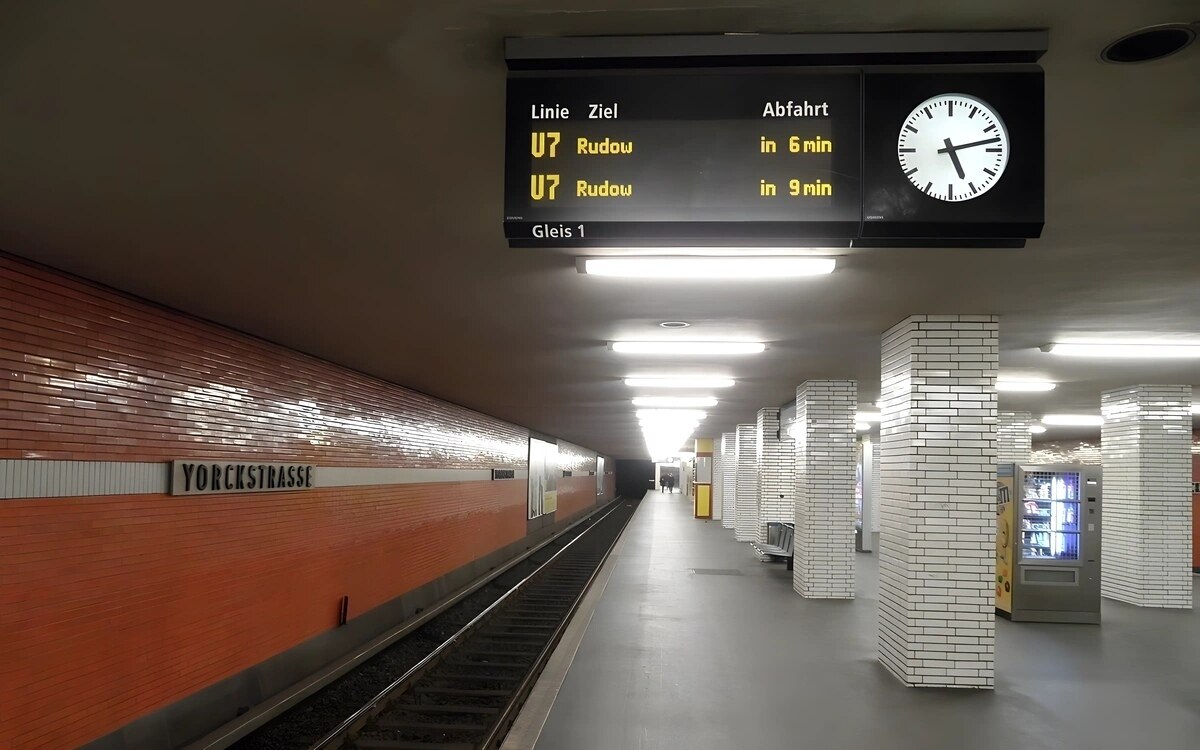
<point x="1050" y="516"/>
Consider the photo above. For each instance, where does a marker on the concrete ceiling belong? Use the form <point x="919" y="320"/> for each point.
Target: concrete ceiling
<point x="328" y="175"/>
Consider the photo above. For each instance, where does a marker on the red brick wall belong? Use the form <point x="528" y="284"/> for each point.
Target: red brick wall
<point x="114" y="606"/>
<point x="575" y="495"/>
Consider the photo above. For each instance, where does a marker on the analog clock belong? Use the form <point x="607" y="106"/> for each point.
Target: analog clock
<point x="953" y="147"/>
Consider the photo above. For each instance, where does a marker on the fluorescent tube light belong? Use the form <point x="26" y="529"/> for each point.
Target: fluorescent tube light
<point x="679" y="267"/>
<point x="679" y="382"/>
<point x="677" y="415"/>
<point x="1025" y="386"/>
<point x="862" y="426"/>
<point x="868" y="416"/>
<point x="1073" y="420"/>
<point x="688" y="347"/>
<point x="675" y="402"/>
<point x="1118" y="349"/>
<point x="1037" y="429"/>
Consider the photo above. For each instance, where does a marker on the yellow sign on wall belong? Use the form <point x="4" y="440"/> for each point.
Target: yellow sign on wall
<point x="1005" y="541"/>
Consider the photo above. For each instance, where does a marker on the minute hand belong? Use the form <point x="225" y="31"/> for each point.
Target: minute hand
<point x="948" y="149"/>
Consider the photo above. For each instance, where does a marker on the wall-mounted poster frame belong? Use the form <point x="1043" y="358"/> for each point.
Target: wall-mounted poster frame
<point x="543" y="477"/>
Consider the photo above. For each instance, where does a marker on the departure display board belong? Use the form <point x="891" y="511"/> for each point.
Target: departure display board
<point x="865" y="156"/>
<point x="679" y="154"/>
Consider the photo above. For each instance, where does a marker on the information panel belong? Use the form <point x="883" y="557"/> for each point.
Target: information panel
<point x="678" y="154"/>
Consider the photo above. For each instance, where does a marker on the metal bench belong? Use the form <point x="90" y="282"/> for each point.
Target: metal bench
<point x="780" y="541"/>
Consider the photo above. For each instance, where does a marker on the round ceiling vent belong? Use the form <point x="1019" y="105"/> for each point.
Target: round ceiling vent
<point x="1150" y="43"/>
<point x="674" y="324"/>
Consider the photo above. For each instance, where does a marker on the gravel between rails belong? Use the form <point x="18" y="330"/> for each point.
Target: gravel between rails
<point x="307" y="722"/>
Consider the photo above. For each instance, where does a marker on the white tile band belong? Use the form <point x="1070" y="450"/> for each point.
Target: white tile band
<point x="36" y="478"/>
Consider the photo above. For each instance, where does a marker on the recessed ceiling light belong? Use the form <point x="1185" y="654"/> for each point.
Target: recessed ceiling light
<point x="862" y="426"/>
<point x="688" y="347"/>
<point x="680" y="267"/>
<point x="1073" y="420"/>
<point x="674" y="324"/>
<point x="672" y="402"/>
<point x="1150" y="43"/>
<point x="679" y="382"/>
<point x="1124" y="350"/>
<point x="868" y="416"/>
<point x="1026" y="386"/>
<point x="1037" y="429"/>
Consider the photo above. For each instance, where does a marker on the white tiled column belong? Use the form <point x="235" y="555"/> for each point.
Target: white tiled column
<point x="824" y="489"/>
<point x="1145" y="448"/>
<point x="729" y="480"/>
<point x="938" y="460"/>
<point x="1014" y="442"/>
<point x="718" y="479"/>
<point x="774" y="458"/>
<point x="747" y="483"/>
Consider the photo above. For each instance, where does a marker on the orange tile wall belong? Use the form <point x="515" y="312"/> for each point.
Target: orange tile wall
<point x="575" y="495"/>
<point x="114" y="606"/>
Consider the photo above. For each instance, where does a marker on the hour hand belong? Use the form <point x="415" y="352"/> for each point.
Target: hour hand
<point x="953" y="151"/>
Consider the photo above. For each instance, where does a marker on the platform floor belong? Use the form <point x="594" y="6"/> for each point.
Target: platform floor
<point x="679" y="660"/>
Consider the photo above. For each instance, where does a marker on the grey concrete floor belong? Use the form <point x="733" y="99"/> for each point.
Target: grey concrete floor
<point x="673" y="660"/>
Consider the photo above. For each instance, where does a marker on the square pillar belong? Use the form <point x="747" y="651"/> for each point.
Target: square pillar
<point x="747" y="483"/>
<point x="1014" y="441"/>
<point x="773" y="457"/>
<point x="938" y="527"/>
<point x="718" y="479"/>
<point x="824" y="489"/>
<point x="1145" y="448"/>
<point x="729" y="466"/>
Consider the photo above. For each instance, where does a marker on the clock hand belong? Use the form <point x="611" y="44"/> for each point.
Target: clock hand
<point x="951" y="149"/>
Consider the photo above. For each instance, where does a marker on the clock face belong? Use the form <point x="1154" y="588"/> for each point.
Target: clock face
<point x="953" y="147"/>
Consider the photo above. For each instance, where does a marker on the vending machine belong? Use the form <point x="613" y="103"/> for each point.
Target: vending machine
<point x="1048" y="527"/>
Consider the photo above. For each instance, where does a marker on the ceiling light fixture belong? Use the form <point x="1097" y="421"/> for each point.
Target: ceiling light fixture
<point x="686" y="402"/>
<point x="688" y="347"/>
<point x="1124" y="350"/>
<point x="1037" y="429"/>
<point x="670" y="415"/>
<point x="678" y="267"/>
<point x="862" y="426"/>
<point x="674" y="324"/>
<point x="679" y="382"/>
<point x="1025" y="386"/>
<point x="1073" y="420"/>
<point x="868" y="416"/>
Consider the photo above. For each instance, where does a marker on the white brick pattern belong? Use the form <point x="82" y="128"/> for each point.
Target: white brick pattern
<point x="1145" y="445"/>
<point x="938" y="529"/>
<point x="746" y="526"/>
<point x="718" y="488"/>
<point x="729" y="480"/>
<point x="774" y="459"/>
<point x="1014" y="442"/>
<point x="824" y="489"/>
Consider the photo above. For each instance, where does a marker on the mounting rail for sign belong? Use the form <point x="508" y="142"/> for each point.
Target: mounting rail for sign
<point x="832" y="140"/>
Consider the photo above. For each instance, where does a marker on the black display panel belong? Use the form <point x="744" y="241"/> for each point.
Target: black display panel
<point x="594" y="156"/>
<point x="947" y="155"/>
<point x="895" y="207"/>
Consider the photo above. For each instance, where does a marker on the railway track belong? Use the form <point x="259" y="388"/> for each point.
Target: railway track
<point x="465" y="694"/>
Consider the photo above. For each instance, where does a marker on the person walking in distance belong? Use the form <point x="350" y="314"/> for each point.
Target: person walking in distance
<point x="662" y="482"/>
<point x="671" y="483"/>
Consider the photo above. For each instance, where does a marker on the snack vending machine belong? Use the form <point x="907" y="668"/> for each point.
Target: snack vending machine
<point x="1048" y="542"/>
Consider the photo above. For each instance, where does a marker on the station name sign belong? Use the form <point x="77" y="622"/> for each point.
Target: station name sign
<point x="213" y="478"/>
<point x="776" y="154"/>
